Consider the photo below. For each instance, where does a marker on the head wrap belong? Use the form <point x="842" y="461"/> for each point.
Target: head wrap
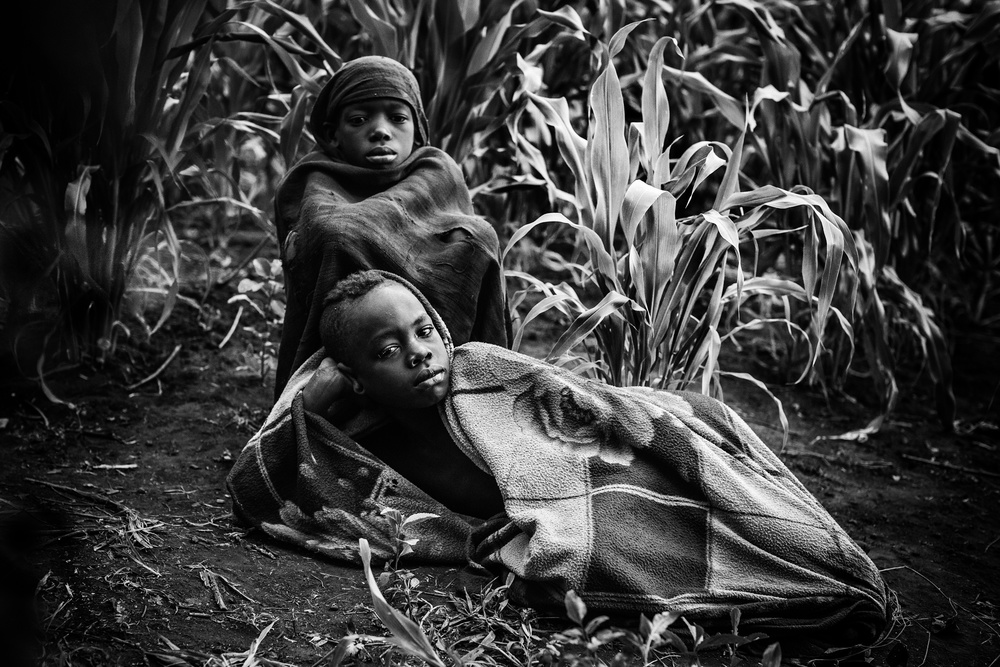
<point x="366" y="78"/>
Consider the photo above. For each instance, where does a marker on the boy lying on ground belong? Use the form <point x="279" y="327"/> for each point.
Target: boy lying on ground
<point x="639" y="500"/>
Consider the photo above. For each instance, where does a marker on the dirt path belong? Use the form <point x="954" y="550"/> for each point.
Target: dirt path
<point x="140" y="554"/>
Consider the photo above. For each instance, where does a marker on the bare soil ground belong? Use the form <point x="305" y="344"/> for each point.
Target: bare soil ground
<point x="137" y="555"/>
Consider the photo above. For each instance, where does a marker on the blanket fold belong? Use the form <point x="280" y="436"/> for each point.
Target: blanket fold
<point x="306" y="482"/>
<point x="415" y="220"/>
<point x="639" y="500"/>
<point x="647" y="501"/>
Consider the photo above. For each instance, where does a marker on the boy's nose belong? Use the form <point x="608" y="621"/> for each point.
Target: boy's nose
<point x="420" y="354"/>
<point x="380" y="131"/>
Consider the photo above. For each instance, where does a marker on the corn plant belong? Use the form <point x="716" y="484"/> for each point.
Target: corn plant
<point x="877" y="107"/>
<point x="267" y="63"/>
<point x="91" y="134"/>
<point x="670" y="288"/>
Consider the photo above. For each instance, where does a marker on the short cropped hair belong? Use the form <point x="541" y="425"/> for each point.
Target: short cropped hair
<point x="335" y="326"/>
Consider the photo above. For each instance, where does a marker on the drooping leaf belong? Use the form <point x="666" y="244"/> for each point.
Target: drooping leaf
<point x="901" y="50"/>
<point x="586" y="322"/>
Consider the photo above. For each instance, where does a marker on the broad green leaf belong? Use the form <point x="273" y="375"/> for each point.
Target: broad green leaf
<point x="566" y="17"/>
<point x="406" y="634"/>
<point x="575" y="607"/>
<point x="586" y="322"/>
<point x="871" y="149"/>
<point x="638" y="199"/>
<point x="383" y="34"/>
<point x="655" y="107"/>
<point x="727" y="105"/>
<point x="753" y="198"/>
<point x="731" y="179"/>
<point x="727" y="228"/>
<point x="713" y="346"/>
<point x="768" y="92"/>
<point x="607" y="152"/>
<point x="488" y="46"/>
<point x="901" y="50"/>
<point x="293" y="124"/>
<point x="617" y="42"/>
<point x="305" y="26"/>
<point x="538" y="309"/>
<point x="599" y="257"/>
<point x="658" y="249"/>
<point x="572" y="147"/>
<point x="711" y="164"/>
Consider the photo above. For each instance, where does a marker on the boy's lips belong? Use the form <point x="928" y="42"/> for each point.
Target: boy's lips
<point x="381" y="154"/>
<point x="429" y="376"/>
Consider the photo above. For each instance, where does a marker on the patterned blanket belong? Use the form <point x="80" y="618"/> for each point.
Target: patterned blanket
<point x="638" y="500"/>
<point x="643" y="500"/>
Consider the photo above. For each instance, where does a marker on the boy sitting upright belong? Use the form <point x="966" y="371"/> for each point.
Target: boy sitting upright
<point x="376" y="195"/>
<point x="639" y="500"/>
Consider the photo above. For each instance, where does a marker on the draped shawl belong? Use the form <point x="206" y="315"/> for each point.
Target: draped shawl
<point x="414" y="220"/>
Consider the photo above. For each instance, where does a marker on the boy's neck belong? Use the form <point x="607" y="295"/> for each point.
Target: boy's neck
<point x="423" y="420"/>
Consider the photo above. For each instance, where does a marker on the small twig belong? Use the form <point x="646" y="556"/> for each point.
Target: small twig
<point x="233" y="588"/>
<point x="954" y="605"/>
<point x="96" y="497"/>
<point x="951" y="466"/>
<point x="208" y="578"/>
<point x="826" y="457"/>
<point x="236" y="321"/>
<point x="38" y="410"/>
<point x="991" y="544"/>
<point x="159" y="370"/>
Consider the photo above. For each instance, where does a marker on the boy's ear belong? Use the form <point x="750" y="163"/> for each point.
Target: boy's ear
<point x="352" y="377"/>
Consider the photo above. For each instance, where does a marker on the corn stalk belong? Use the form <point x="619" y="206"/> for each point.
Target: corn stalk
<point x="670" y="289"/>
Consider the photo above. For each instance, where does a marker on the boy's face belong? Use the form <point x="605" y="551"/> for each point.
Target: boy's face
<point x="376" y="133"/>
<point x="396" y="355"/>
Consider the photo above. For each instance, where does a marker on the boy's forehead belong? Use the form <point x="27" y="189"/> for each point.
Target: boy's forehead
<point x="387" y="303"/>
<point x="376" y="103"/>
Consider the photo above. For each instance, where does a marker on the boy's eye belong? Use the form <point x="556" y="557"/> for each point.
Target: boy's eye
<point x="400" y="118"/>
<point x="386" y="352"/>
<point x="426" y="331"/>
<point x="356" y="120"/>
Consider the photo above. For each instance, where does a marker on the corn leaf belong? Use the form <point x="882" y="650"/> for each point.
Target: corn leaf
<point x="901" y="50"/>
<point x="384" y="37"/>
<point x="586" y="322"/>
<point x="727" y="105"/>
<point x="406" y="634"/>
<point x="638" y="199"/>
<point x="655" y="108"/>
<point x="607" y="152"/>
